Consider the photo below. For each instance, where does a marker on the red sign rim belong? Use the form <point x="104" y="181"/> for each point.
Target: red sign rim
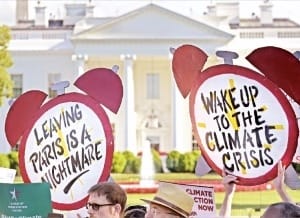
<point x="99" y="111"/>
<point x="248" y="73"/>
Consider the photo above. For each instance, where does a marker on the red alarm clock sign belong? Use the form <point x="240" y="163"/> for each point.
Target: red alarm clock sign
<point x="69" y="146"/>
<point x="67" y="142"/>
<point x="243" y="122"/>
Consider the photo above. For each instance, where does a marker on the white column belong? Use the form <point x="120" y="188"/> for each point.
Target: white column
<point x="129" y="104"/>
<point x="21" y="10"/>
<point x="182" y="126"/>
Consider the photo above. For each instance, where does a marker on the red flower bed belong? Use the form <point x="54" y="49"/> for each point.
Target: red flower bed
<point x="132" y="187"/>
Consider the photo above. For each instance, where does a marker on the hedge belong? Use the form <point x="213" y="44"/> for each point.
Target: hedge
<point x="127" y="162"/>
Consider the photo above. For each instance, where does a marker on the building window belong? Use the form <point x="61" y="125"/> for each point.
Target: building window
<point x="153" y="86"/>
<point x="52" y="79"/>
<point x="18" y="84"/>
<point x="288" y="34"/>
<point x="251" y="35"/>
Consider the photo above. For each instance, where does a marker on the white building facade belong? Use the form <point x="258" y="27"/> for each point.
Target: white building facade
<point x="139" y="42"/>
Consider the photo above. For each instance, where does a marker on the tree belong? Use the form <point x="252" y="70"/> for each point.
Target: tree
<point x="6" y="83"/>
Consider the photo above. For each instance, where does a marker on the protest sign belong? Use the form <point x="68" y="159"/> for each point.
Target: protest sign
<point x="67" y="141"/>
<point x="243" y="122"/>
<point x="7" y="175"/>
<point x="25" y="200"/>
<point x="204" y="200"/>
<point x="69" y="145"/>
<point x="242" y="119"/>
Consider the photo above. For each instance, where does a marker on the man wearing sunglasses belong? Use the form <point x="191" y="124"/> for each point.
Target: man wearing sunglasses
<point x="106" y="199"/>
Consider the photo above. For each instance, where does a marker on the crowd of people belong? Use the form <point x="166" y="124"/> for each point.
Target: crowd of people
<point x="108" y="199"/>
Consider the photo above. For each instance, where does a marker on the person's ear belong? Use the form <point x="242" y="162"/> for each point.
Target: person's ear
<point x="118" y="208"/>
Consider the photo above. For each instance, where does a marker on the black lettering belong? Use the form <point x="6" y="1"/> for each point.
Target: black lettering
<point x="253" y="93"/>
<point x="257" y="117"/>
<point x="233" y="140"/>
<point x="37" y="138"/>
<point x="97" y="150"/>
<point x="225" y="158"/>
<point x="232" y="99"/>
<point x="45" y="130"/>
<point x="34" y="158"/>
<point x="225" y="102"/>
<point x="245" y="98"/>
<point x="85" y="135"/>
<point x="257" y="136"/>
<point x="238" y="160"/>
<point x="72" y="140"/>
<point x="209" y="141"/>
<point x="247" y="139"/>
<point x="59" y="146"/>
<point x="254" y="161"/>
<point x="208" y="102"/>
<point x="269" y="136"/>
<point x="269" y="159"/>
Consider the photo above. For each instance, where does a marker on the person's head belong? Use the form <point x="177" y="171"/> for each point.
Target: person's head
<point x="169" y="201"/>
<point x="135" y="211"/>
<point x="282" y="210"/>
<point x="106" y="199"/>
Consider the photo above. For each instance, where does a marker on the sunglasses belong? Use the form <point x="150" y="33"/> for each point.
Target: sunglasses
<point x="96" y="207"/>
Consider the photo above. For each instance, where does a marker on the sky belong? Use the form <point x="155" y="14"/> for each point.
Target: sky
<point x="55" y="8"/>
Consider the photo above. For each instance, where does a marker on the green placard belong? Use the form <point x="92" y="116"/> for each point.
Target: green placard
<point x="32" y="200"/>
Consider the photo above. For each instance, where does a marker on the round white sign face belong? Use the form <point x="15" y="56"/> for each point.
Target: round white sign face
<point x="70" y="147"/>
<point x="242" y="122"/>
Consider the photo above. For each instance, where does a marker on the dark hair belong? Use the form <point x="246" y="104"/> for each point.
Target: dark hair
<point x="287" y="210"/>
<point x="114" y="193"/>
<point x="135" y="211"/>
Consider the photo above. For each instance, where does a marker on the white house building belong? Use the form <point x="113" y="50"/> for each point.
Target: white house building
<point x="45" y="51"/>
